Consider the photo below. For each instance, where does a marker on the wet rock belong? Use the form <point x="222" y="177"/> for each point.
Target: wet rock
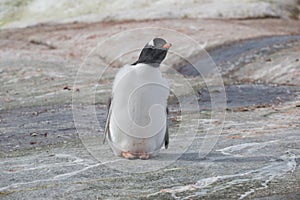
<point x="247" y="97"/>
<point x="234" y="59"/>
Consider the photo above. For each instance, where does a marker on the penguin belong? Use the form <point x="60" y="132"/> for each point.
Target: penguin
<point x="136" y="125"/>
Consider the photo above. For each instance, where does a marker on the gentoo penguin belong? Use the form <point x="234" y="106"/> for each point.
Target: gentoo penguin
<point x="136" y="124"/>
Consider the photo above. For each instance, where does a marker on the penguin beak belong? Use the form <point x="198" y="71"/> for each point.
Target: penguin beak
<point x="167" y="46"/>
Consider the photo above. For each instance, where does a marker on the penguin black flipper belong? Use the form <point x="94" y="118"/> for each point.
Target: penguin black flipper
<point x="106" y="130"/>
<point x="167" y="131"/>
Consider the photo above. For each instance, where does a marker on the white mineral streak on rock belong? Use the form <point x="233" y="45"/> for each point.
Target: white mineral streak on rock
<point x="274" y="169"/>
<point x="59" y="161"/>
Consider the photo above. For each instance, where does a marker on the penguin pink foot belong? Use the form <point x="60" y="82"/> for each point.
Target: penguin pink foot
<point x="144" y="156"/>
<point x="128" y="155"/>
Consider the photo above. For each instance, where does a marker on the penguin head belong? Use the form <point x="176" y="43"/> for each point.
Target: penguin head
<point x="154" y="52"/>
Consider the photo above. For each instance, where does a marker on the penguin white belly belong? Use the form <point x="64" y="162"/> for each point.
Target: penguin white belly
<point x="138" y="110"/>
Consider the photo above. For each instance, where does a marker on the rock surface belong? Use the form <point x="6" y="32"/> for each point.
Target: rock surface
<point x="52" y="110"/>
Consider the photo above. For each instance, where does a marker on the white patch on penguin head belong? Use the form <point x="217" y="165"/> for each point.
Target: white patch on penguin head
<point x="151" y="43"/>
